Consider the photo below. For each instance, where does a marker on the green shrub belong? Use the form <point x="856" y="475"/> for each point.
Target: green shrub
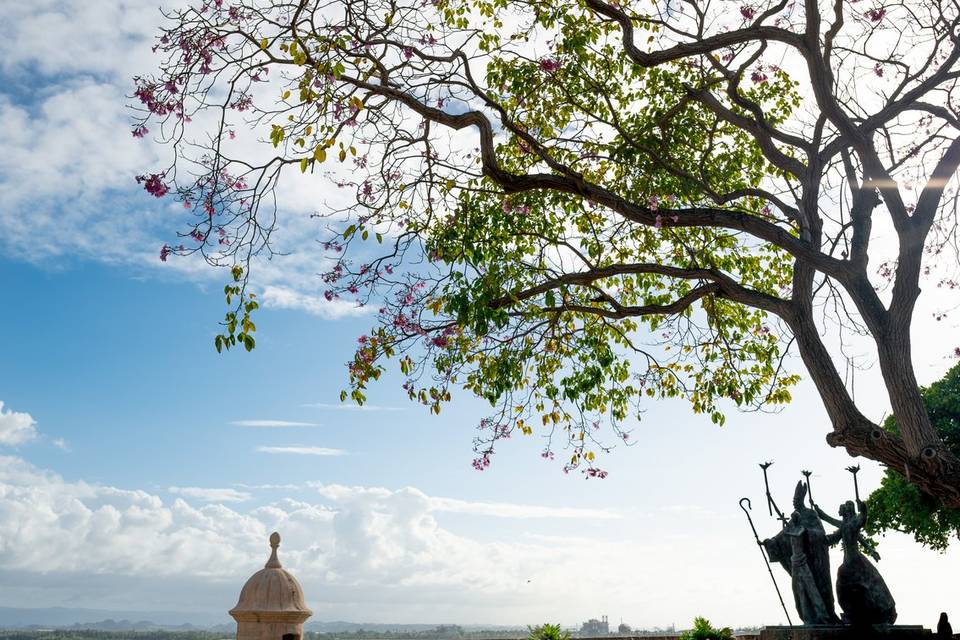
<point x="547" y="631"/>
<point x="703" y="631"/>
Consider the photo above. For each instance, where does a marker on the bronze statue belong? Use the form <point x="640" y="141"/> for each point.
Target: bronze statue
<point x="802" y="549"/>
<point x="861" y="591"/>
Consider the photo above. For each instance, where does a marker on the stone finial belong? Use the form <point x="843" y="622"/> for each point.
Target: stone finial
<point x="273" y="562"/>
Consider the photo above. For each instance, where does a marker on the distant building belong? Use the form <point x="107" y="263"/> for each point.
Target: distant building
<point x="594" y="627"/>
<point x="624" y="629"/>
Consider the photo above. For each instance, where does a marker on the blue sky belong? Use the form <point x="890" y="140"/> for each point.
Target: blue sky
<point x="130" y="484"/>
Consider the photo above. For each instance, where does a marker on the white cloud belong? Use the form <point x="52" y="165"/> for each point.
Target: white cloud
<point x="372" y="539"/>
<point x="306" y="451"/>
<point x="343" y="493"/>
<point x="15" y="427"/>
<point x="270" y="487"/>
<point x="69" y="103"/>
<point x="272" y="423"/>
<point x="510" y="510"/>
<point x="351" y="407"/>
<point x="282" y="297"/>
<point x="211" y="495"/>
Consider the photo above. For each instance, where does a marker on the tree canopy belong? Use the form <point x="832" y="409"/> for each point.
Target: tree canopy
<point x="570" y="207"/>
<point x="903" y="507"/>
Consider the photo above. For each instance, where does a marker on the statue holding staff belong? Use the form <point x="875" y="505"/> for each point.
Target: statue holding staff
<point x="861" y="591"/>
<point x="802" y="549"/>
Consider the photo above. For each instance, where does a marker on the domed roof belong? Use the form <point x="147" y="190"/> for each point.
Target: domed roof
<point x="272" y="590"/>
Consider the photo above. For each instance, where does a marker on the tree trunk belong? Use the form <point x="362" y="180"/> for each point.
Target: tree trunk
<point x="932" y="468"/>
<point x="896" y="366"/>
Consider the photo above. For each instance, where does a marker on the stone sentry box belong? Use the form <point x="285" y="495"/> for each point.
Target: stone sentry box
<point x="271" y="605"/>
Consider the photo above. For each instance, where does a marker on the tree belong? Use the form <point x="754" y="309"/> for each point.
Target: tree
<point x="702" y="630"/>
<point x="903" y="507"/>
<point x="566" y="207"/>
<point x="547" y="631"/>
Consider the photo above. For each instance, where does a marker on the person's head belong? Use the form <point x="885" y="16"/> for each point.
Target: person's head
<point x="848" y="510"/>
<point x="943" y="617"/>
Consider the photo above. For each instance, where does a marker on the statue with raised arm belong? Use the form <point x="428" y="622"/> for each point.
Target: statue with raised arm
<point x="861" y="591"/>
<point x="802" y="548"/>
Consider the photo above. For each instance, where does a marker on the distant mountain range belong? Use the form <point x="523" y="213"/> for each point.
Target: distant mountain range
<point x="107" y="620"/>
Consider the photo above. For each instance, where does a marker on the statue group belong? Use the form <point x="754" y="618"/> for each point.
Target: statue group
<point x="802" y="549"/>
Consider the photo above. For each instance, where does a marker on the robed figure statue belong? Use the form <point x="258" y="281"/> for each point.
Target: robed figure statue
<point x="863" y="595"/>
<point x="802" y="549"/>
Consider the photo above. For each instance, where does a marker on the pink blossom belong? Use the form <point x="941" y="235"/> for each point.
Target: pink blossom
<point x="153" y="184"/>
<point x="653" y="202"/>
<point x="482" y="462"/>
<point x="140" y="131"/>
<point x="875" y="15"/>
<point x="164" y="252"/>
<point x="549" y="65"/>
<point x="748" y="12"/>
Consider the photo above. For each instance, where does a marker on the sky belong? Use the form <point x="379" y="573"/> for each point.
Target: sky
<point x="139" y="469"/>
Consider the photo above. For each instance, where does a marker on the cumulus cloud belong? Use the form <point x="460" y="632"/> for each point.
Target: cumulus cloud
<point x="66" y="103"/>
<point x="211" y="495"/>
<point x="282" y="297"/>
<point x="16" y="427"/>
<point x="304" y="451"/>
<point x="370" y="536"/>
<point x="510" y="510"/>
<point x="272" y="423"/>
<point x="343" y="493"/>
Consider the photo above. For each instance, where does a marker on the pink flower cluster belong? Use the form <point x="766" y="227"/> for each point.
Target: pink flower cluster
<point x="509" y="207"/>
<point x="482" y="462"/>
<point x="153" y="184"/>
<point x="549" y="65"/>
<point x="147" y="93"/>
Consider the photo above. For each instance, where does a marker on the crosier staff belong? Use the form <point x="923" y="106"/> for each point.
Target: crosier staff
<point x="766" y="561"/>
